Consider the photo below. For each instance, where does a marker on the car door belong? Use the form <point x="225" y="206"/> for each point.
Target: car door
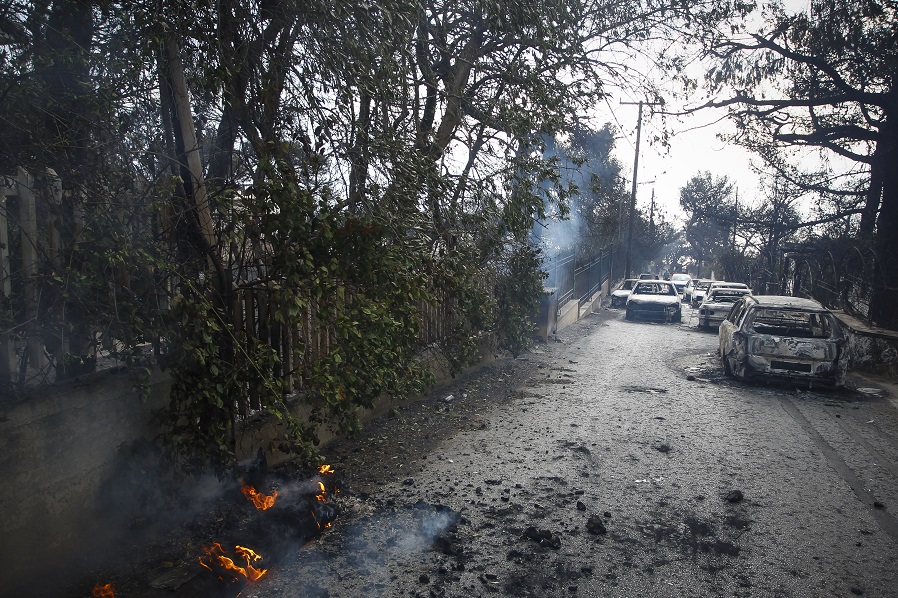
<point x="729" y="325"/>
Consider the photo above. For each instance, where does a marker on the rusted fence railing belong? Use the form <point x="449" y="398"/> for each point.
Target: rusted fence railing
<point x="837" y="279"/>
<point x="590" y="277"/>
<point x="571" y="281"/>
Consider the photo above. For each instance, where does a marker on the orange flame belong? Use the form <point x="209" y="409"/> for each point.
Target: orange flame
<point x="325" y="470"/>
<point x="261" y="501"/>
<point x="320" y="495"/>
<point x="104" y="590"/>
<point x="215" y="556"/>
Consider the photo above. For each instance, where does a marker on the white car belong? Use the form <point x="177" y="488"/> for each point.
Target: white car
<point x="726" y="284"/>
<point x="696" y="290"/>
<point x="619" y="295"/>
<point x="717" y="304"/>
<point x="654" y="300"/>
<point x="680" y="281"/>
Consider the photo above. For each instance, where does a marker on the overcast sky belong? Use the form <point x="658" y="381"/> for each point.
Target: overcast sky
<point x="694" y="147"/>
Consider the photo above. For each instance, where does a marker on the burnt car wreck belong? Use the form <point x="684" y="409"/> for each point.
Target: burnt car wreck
<point x="654" y="300"/>
<point x="783" y="338"/>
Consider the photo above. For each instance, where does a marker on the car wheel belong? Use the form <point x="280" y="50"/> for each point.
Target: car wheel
<point x="629" y="314"/>
<point x="726" y="366"/>
<point x="678" y="317"/>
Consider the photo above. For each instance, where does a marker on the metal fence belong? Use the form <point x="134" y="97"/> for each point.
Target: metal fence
<point x="577" y="281"/>
<point x="839" y="279"/>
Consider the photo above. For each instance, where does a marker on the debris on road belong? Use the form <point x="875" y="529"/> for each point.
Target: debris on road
<point x="734" y="496"/>
<point x="595" y="525"/>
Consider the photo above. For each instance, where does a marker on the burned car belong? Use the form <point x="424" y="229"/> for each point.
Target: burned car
<point x="717" y="305"/>
<point x="696" y="290"/>
<point x="619" y="295"/>
<point x="654" y="300"/>
<point x="680" y="281"/>
<point x="788" y="338"/>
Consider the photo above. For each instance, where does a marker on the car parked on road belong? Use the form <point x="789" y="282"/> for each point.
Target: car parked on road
<point x="726" y="284"/>
<point x="778" y="337"/>
<point x="654" y="300"/>
<point x="622" y="291"/>
<point x="695" y="291"/>
<point x="680" y="280"/>
<point x="717" y="305"/>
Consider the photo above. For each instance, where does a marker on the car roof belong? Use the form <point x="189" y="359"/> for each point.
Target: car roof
<point x="725" y="290"/>
<point x="681" y="275"/>
<point x="787" y="301"/>
<point x="726" y="283"/>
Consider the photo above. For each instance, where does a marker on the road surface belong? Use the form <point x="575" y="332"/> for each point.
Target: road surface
<point x="624" y="464"/>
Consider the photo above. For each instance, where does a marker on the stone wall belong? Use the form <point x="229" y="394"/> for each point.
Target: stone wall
<point x="59" y="452"/>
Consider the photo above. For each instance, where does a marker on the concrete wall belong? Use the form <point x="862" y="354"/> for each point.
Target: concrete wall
<point x="58" y="451"/>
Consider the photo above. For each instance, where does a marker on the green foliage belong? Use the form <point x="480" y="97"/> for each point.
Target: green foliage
<point x="710" y="212"/>
<point x="363" y="162"/>
<point x="518" y="291"/>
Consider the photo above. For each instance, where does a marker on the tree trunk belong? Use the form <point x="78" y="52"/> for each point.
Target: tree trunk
<point x="884" y="302"/>
<point x="185" y="138"/>
<point x="878" y="166"/>
<point x="358" y="177"/>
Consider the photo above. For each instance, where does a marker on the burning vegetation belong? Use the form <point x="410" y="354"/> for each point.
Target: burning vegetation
<point x="293" y="514"/>
<point x="262" y="501"/>
<point x="218" y="561"/>
<point x="103" y="590"/>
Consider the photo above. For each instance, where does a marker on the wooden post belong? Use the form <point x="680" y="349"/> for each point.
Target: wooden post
<point x="186" y="134"/>
<point x="28" y="222"/>
<point x="7" y="347"/>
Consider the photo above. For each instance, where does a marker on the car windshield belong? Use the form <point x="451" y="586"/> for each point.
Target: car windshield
<point x="791" y="322"/>
<point x="654" y="288"/>
<point x="702" y="286"/>
<point x="680" y="277"/>
<point x="726" y="295"/>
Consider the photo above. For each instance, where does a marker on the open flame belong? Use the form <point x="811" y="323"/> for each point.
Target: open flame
<point x="103" y="590"/>
<point x="261" y="501"/>
<point x="320" y="495"/>
<point x="216" y="557"/>
<point x="325" y="470"/>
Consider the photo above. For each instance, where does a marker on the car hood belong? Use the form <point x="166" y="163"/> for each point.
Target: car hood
<point x="620" y="293"/>
<point x="654" y="299"/>
<point x="718" y="304"/>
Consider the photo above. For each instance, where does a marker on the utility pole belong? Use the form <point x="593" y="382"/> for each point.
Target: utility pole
<point x="652" y="216"/>
<point x="633" y="189"/>
<point x="735" y="217"/>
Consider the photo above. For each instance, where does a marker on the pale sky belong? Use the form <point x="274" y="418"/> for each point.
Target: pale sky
<point x="694" y="147"/>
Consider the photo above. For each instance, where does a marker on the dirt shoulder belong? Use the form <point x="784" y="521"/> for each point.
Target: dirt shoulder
<point x="136" y="560"/>
<point x="413" y="428"/>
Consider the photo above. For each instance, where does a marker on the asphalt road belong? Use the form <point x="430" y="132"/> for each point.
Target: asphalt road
<point x="611" y="469"/>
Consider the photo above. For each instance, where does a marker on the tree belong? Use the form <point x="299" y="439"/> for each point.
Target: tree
<point x="710" y="211"/>
<point x="825" y="80"/>
<point x="367" y="157"/>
